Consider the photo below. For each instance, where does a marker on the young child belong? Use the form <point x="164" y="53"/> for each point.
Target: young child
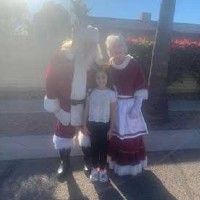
<point x="99" y="119"/>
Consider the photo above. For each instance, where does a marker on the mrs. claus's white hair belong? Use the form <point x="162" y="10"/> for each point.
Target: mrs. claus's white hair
<point x="116" y="39"/>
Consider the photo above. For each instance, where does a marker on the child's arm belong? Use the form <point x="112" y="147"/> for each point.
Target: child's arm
<point x="85" y="117"/>
<point x="112" y="118"/>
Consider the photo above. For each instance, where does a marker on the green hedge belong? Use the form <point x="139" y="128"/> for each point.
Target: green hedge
<point x="184" y="56"/>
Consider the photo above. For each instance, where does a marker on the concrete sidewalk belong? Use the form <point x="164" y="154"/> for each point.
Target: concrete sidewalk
<point x="41" y="146"/>
<point x="173" y="175"/>
<point x="26" y="130"/>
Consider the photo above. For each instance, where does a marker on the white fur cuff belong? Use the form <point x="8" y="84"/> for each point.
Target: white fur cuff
<point x="62" y="143"/>
<point x="143" y="93"/>
<point x="51" y="105"/>
<point x="83" y="140"/>
<point x="63" y="117"/>
<point x="124" y="64"/>
<point x="77" y="115"/>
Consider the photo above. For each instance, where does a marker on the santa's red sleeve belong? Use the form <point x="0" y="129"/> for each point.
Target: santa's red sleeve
<point x="51" y="102"/>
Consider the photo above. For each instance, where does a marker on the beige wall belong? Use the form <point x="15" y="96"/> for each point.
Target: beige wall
<point x="22" y="64"/>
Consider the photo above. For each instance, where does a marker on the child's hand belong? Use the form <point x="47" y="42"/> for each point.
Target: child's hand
<point x="109" y="134"/>
<point x="86" y="131"/>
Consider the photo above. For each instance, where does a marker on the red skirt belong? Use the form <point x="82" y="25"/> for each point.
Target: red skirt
<point x="127" y="156"/>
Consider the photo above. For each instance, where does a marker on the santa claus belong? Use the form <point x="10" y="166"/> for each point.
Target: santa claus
<point x="68" y="77"/>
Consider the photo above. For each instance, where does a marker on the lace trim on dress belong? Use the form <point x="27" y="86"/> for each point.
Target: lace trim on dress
<point x="124" y="63"/>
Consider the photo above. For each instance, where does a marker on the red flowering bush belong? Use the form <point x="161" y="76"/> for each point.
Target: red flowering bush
<point x="184" y="56"/>
<point x="141" y="49"/>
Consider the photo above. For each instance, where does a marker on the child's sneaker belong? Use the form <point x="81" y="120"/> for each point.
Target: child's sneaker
<point x="94" y="176"/>
<point x="103" y="176"/>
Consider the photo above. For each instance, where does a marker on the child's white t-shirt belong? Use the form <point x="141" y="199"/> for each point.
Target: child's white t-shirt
<point x="99" y="105"/>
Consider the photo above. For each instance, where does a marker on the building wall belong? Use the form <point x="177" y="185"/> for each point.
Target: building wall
<point x="22" y="64"/>
<point x="23" y="60"/>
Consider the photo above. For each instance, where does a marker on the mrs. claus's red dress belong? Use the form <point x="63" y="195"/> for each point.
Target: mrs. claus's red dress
<point x="126" y="150"/>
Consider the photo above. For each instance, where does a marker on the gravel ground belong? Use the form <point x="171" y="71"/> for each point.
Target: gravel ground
<point x="170" y="176"/>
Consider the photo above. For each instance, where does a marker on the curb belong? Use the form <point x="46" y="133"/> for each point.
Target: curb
<point x="34" y="146"/>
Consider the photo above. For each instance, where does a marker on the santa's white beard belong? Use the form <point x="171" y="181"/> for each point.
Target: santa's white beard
<point x="83" y="62"/>
<point x="81" y="65"/>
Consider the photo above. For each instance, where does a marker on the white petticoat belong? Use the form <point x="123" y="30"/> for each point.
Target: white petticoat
<point x="121" y="170"/>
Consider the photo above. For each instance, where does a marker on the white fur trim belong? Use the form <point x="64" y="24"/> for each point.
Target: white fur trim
<point x="83" y="140"/>
<point x="77" y="115"/>
<point x="143" y="93"/>
<point x="51" y="105"/>
<point x="67" y="48"/>
<point x="127" y="169"/>
<point x="81" y="65"/>
<point x="124" y="63"/>
<point x="63" y="117"/>
<point x="62" y="143"/>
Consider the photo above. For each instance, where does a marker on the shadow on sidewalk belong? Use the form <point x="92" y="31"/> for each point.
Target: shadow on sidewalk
<point x="73" y="189"/>
<point x="145" y="186"/>
<point x="35" y="179"/>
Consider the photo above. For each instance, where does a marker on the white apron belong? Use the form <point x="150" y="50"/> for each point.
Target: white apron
<point x="127" y="127"/>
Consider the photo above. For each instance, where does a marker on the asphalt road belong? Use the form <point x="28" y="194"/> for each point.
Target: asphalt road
<point x="173" y="175"/>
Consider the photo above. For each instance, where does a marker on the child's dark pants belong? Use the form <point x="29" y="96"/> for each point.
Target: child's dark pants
<point x="98" y="132"/>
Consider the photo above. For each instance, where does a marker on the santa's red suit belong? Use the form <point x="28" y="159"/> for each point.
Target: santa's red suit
<point x="126" y="154"/>
<point x="61" y="87"/>
<point x="67" y="79"/>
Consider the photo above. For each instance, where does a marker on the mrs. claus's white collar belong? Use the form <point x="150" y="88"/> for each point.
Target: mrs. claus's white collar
<point x="124" y="63"/>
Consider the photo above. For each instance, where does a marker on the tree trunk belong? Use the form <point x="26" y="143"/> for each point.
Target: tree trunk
<point x="158" y="103"/>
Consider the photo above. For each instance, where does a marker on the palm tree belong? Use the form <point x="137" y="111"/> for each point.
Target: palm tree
<point x="157" y="103"/>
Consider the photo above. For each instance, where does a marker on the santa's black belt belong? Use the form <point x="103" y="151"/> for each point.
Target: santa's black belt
<point x="75" y="102"/>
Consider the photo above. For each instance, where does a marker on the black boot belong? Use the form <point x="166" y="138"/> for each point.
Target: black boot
<point x="87" y="158"/>
<point x="64" y="163"/>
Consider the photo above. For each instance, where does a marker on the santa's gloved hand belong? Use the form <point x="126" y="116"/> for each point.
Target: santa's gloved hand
<point x="63" y="117"/>
<point x="136" y="109"/>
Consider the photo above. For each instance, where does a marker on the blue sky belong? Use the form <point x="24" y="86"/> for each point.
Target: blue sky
<point x="187" y="11"/>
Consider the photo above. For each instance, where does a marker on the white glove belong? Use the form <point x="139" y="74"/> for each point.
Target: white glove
<point x="63" y="117"/>
<point x="136" y="109"/>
